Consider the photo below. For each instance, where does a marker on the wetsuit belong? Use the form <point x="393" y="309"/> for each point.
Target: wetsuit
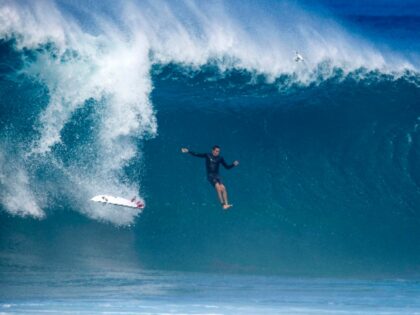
<point x="212" y="166"/>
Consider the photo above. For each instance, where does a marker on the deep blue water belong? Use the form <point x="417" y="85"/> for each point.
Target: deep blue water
<point x="99" y="98"/>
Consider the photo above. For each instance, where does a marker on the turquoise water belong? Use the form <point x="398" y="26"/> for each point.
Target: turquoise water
<point x="157" y="292"/>
<point x="99" y="97"/>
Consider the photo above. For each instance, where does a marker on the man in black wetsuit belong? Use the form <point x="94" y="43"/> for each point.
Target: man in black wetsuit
<point x="213" y="161"/>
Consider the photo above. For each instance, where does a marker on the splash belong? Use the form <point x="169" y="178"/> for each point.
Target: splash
<point x="16" y="194"/>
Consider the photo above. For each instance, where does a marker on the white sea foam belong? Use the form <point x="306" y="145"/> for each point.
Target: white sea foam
<point x="15" y="192"/>
<point x="109" y="68"/>
<point x="110" y="59"/>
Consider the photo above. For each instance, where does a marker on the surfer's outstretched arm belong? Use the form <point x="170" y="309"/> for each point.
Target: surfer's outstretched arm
<point x="201" y="155"/>
<point x="228" y="167"/>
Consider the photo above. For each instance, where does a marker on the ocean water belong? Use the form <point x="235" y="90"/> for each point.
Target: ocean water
<point x="99" y="97"/>
<point x="153" y="292"/>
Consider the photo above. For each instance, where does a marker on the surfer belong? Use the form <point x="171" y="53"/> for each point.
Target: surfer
<point x="213" y="161"/>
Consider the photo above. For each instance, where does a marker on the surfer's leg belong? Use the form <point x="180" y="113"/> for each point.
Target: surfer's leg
<point x="221" y="190"/>
<point x="219" y="193"/>
<point x="224" y="194"/>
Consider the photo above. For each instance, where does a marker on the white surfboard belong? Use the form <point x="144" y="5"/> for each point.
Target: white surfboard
<point x="118" y="201"/>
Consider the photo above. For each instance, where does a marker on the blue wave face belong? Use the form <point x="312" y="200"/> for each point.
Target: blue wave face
<point x="328" y="181"/>
<point x="328" y="178"/>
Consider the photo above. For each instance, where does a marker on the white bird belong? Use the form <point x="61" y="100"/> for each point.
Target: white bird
<point x="298" y="57"/>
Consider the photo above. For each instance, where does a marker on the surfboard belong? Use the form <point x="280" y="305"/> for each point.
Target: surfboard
<point x="119" y="201"/>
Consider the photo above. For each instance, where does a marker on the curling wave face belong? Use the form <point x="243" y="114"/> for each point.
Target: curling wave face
<point x="329" y="176"/>
<point x="87" y="72"/>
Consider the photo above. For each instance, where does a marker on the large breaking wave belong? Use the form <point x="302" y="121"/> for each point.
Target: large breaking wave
<point x="99" y="97"/>
<point x="89" y="73"/>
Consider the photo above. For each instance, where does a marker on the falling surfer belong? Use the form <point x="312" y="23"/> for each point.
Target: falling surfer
<point x="213" y="161"/>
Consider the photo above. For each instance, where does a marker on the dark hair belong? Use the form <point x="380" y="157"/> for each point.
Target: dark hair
<point x="216" y="147"/>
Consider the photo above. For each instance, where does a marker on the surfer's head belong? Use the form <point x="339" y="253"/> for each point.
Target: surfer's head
<point x="216" y="150"/>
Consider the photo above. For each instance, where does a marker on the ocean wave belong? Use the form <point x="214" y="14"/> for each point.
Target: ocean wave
<point x="108" y="56"/>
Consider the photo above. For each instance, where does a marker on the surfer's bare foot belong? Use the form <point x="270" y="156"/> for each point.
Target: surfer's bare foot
<point x="226" y="206"/>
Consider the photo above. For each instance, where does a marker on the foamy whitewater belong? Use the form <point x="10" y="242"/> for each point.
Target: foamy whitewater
<point x="98" y="97"/>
